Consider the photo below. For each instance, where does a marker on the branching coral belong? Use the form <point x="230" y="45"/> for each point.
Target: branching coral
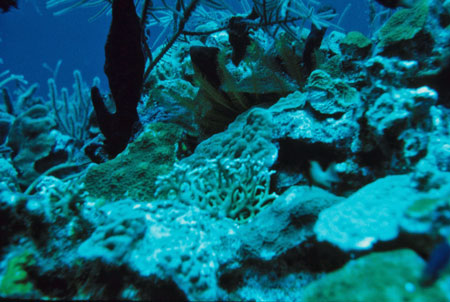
<point x="5" y="78"/>
<point x="236" y="188"/>
<point x="72" y="112"/>
<point x="60" y="198"/>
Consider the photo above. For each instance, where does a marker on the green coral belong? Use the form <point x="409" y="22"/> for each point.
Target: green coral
<point x="386" y="276"/>
<point x="356" y="38"/>
<point x="15" y="280"/>
<point x="133" y="172"/>
<point x="425" y="207"/>
<point x="355" y="45"/>
<point x="404" y="24"/>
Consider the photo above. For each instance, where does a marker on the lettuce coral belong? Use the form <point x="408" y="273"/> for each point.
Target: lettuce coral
<point x="404" y="24"/>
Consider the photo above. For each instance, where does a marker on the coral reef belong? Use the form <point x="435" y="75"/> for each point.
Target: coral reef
<point x="276" y="161"/>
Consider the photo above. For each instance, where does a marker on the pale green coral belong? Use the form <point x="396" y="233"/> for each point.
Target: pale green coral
<point x="388" y="276"/>
<point x="356" y="38"/>
<point x="425" y="207"/>
<point x="235" y="188"/>
<point x="355" y="45"/>
<point x="404" y="24"/>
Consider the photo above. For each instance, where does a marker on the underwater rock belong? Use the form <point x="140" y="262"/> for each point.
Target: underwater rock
<point x="430" y="171"/>
<point x="10" y="221"/>
<point x="430" y="213"/>
<point x="438" y="150"/>
<point x="250" y="135"/>
<point x="446" y="13"/>
<point x="175" y="244"/>
<point x="305" y="128"/>
<point x="311" y="117"/>
<point x="43" y="215"/>
<point x="383" y="73"/>
<point x="377" y="213"/>
<point x="193" y="252"/>
<point x="437" y="76"/>
<point x="415" y="143"/>
<point x="397" y="123"/>
<point x="354" y="224"/>
<point x="396" y="111"/>
<point x="286" y="223"/>
<point x="60" y="200"/>
<point x="331" y="96"/>
<point x="35" y="218"/>
<point x="383" y="276"/>
<point x="113" y="237"/>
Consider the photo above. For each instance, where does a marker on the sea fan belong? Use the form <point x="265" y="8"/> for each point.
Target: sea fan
<point x="289" y="13"/>
<point x="72" y="4"/>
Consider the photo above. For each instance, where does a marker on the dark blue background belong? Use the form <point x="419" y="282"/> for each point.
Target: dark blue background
<point x="30" y="38"/>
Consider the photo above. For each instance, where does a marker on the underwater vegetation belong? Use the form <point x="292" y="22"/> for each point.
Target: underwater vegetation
<point x="257" y="152"/>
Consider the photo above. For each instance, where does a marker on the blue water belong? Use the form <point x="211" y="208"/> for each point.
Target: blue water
<point x="32" y="35"/>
